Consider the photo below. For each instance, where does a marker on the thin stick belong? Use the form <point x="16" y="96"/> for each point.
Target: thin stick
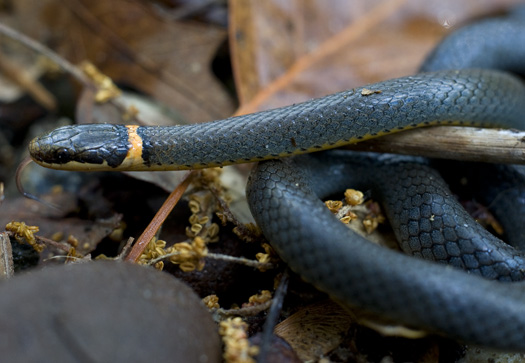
<point x="125" y="249"/>
<point x="49" y="242"/>
<point x="156" y="222"/>
<point x="453" y="142"/>
<point x="240" y="260"/>
<point x="273" y="317"/>
<point x="247" y="311"/>
<point x="7" y="269"/>
<point x="70" y="68"/>
<point x="42" y="49"/>
<point x="241" y="227"/>
<point x="217" y="256"/>
<point x="18" y="178"/>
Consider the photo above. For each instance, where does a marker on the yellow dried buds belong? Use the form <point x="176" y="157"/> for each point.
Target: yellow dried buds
<point x="265" y="257"/>
<point x="211" y="302"/>
<point x="354" y="197"/>
<point x="370" y="212"/>
<point x="23" y="232"/>
<point x="262" y="297"/>
<point x="237" y="348"/>
<point x="189" y="256"/>
<point x="334" y="205"/>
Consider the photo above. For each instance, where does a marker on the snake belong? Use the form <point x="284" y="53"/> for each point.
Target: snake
<point x="471" y="79"/>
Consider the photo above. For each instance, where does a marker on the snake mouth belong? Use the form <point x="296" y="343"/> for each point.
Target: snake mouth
<point x="35" y="150"/>
<point x="45" y="152"/>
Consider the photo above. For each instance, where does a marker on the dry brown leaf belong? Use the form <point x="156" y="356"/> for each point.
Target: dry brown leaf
<point x="51" y="221"/>
<point x="301" y="57"/>
<point x="315" y="330"/>
<point x="134" y="45"/>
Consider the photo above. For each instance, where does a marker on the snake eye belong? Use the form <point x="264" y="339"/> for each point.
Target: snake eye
<point x="63" y="155"/>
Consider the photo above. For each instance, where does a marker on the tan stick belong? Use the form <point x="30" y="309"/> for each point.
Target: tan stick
<point x="453" y="142"/>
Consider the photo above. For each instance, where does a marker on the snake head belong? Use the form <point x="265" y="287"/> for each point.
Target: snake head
<point x="82" y="147"/>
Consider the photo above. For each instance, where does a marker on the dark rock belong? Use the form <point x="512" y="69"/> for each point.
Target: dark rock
<point x="104" y="312"/>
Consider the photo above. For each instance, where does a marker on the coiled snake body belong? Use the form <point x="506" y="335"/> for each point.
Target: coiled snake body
<point x="283" y="193"/>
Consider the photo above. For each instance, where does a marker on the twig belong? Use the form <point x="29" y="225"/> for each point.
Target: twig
<point x="125" y="249"/>
<point x="61" y="246"/>
<point x="453" y="142"/>
<point x="240" y="260"/>
<point x="156" y="222"/>
<point x="6" y="257"/>
<point x="42" y="49"/>
<point x="247" y="311"/>
<point x="226" y="211"/>
<point x="273" y="316"/>
<point x="70" y="68"/>
<point x="48" y="242"/>
<point x="217" y="256"/>
<point x="18" y="178"/>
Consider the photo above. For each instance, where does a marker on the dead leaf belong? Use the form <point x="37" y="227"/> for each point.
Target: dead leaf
<point x="315" y="330"/>
<point x="131" y="43"/>
<point x="324" y="49"/>
<point x="52" y="222"/>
